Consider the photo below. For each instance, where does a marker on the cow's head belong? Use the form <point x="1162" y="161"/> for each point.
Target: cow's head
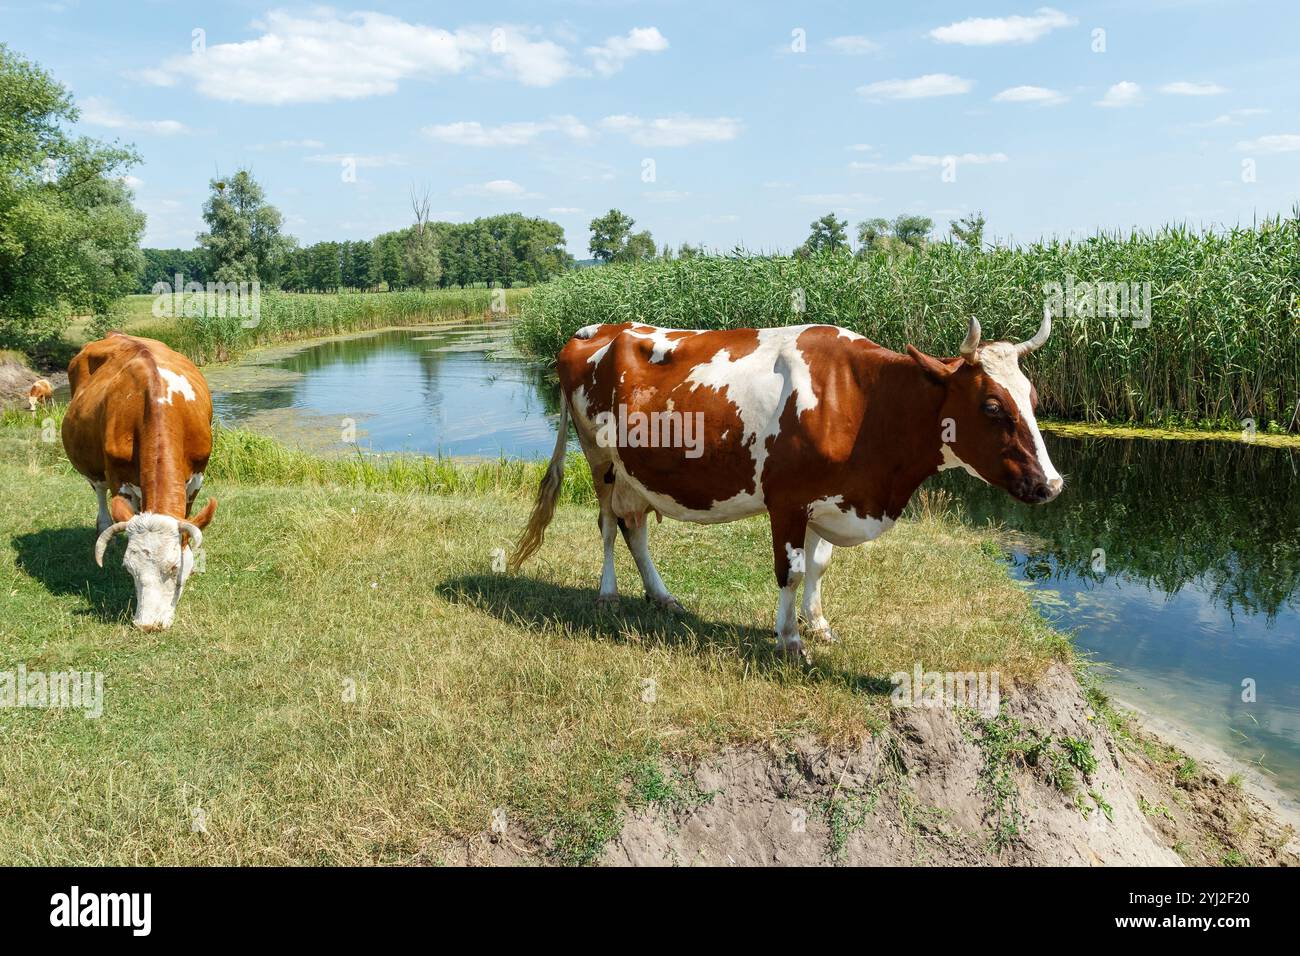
<point x="160" y="553"/>
<point x="987" y="421"/>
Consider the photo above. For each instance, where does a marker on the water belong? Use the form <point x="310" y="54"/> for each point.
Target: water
<point x="1176" y="563"/>
<point x="447" y="389"/>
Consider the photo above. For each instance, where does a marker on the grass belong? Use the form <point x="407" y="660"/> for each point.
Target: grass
<point x="1223" y="344"/>
<point x="350" y="682"/>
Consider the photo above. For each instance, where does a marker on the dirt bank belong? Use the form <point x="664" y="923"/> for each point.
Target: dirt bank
<point x="16" y="379"/>
<point x="943" y="787"/>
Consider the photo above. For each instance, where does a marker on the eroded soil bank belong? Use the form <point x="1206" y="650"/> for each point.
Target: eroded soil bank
<point x="1049" y="781"/>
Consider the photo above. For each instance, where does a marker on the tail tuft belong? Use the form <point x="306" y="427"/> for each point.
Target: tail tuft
<point x="548" y="494"/>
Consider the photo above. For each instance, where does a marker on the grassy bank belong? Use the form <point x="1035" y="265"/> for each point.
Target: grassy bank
<point x="473" y="690"/>
<point x="1223" y="344"/>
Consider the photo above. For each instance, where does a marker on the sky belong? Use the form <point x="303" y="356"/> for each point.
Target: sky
<point x="720" y="124"/>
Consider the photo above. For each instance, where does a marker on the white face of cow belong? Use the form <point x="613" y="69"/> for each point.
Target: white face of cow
<point x="159" y="566"/>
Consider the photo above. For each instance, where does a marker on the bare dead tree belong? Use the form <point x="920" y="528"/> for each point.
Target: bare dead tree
<point x="420" y="207"/>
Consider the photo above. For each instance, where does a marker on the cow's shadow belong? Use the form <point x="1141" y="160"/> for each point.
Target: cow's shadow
<point x="572" y="613"/>
<point x="63" y="560"/>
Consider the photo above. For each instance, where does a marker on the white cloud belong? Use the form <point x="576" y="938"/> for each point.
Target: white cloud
<point x="474" y="133"/>
<point x="1231" y="118"/>
<point x="987" y="31"/>
<point x="931" y="84"/>
<point x="920" y="161"/>
<point x="853" y="45"/>
<point x="325" y="56"/>
<point x="861" y="147"/>
<point x="564" y="210"/>
<point x="1039" y="95"/>
<point x="497" y="188"/>
<point x="361" y="161"/>
<point x="673" y="130"/>
<point x="1275" y="143"/>
<point x="1122" y="94"/>
<point x="131" y="182"/>
<point x="1184" y="88"/>
<point x="609" y="57"/>
<point x="98" y="112"/>
<point x="665" y="195"/>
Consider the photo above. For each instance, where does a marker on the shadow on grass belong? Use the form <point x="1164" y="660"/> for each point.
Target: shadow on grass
<point x="63" y="560"/>
<point x="530" y="602"/>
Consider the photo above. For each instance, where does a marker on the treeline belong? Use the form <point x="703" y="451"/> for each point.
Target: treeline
<point x="508" y="250"/>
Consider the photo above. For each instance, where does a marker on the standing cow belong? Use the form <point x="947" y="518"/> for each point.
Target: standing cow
<point x="139" y="428"/>
<point x="826" y="431"/>
<point x="41" y="392"/>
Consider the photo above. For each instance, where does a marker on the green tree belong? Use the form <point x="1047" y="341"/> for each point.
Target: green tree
<point x="609" y="234"/>
<point x="243" y="240"/>
<point x="969" y="231"/>
<point x="69" y="235"/>
<point x="639" y="247"/>
<point x="827" y="235"/>
<point x="870" y="232"/>
<point x="913" y="230"/>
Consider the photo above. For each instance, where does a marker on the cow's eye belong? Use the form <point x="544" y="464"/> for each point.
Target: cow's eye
<point x="992" y="407"/>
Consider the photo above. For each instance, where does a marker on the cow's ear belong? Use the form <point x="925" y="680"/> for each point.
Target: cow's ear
<point x="932" y="366"/>
<point x="121" y="509"/>
<point x="201" y="519"/>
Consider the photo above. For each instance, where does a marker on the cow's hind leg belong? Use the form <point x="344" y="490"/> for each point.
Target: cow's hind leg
<point x="601" y="477"/>
<point x="788" y="531"/>
<point x="638" y="542"/>
<point x="817" y="555"/>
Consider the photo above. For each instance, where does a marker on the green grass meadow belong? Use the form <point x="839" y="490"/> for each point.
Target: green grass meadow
<point x="350" y="681"/>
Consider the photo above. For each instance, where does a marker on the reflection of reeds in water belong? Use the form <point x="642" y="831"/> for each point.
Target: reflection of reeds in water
<point x="1166" y="513"/>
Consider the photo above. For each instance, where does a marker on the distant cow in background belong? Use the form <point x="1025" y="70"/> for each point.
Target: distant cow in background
<point x="139" y="428"/>
<point x="826" y="431"/>
<point x="41" y="392"/>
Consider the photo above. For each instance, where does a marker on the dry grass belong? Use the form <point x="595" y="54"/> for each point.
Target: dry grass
<point x="474" y="689"/>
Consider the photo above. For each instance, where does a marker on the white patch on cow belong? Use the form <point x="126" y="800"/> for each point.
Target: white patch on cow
<point x="159" y="566"/>
<point x="662" y="343"/>
<point x="595" y="357"/>
<point x="1000" y="363"/>
<point x="193" y="485"/>
<point x="175" y="383"/>
<point x="795" y="557"/>
<point x="587" y="331"/>
<point x="846" y="334"/>
<point x="133" y="494"/>
<point x="950" y="460"/>
<point x="843" y="525"/>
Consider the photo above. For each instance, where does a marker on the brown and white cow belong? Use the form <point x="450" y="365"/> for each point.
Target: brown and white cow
<point x="40" y="392"/>
<point x="826" y="431"/>
<point x="139" y="428"/>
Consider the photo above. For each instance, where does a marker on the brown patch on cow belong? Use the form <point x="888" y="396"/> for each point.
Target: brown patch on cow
<point x="116" y="430"/>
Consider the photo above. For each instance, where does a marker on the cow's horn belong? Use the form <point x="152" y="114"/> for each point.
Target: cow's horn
<point x="972" y="341"/>
<point x="196" y="536"/>
<point x="102" y="543"/>
<point x="1040" y="337"/>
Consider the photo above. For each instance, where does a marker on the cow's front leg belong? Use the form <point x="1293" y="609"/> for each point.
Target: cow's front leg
<point x="104" y="519"/>
<point x="788" y="531"/>
<point x="817" y="555"/>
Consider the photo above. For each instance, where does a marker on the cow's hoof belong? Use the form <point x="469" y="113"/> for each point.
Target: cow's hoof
<point x="667" y="602"/>
<point x="824" y="634"/>
<point x="607" y="601"/>
<point x="794" y="652"/>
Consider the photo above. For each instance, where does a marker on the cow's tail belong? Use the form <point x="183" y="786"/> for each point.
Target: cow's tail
<point x="547" y="494"/>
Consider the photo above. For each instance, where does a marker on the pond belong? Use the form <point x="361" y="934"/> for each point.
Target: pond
<point x="1174" y="563"/>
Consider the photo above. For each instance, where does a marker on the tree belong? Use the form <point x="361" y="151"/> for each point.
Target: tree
<point x="422" y="265"/>
<point x="827" y="235"/>
<point x="243" y="240"/>
<point x="69" y="235"/>
<point x="969" y="231"/>
<point x="913" y="230"/>
<point x="609" y="234"/>
<point x="870" y="232"/>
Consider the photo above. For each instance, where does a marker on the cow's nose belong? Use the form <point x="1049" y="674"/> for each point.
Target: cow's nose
<point x="1054" y="487"/>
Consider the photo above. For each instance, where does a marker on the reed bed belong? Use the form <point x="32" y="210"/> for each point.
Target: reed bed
<point x="1223" y="343"/>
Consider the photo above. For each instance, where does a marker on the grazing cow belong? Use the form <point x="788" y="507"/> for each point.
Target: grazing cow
<point x="41" y="391"/>
<point x="826" y="431"/>
<point x="139" y="428"/>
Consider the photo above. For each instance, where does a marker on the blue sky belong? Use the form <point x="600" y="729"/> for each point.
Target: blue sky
<point x="702" y="120"/>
